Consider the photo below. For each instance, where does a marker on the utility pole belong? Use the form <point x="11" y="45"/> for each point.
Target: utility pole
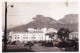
<point x="5" y="32"/>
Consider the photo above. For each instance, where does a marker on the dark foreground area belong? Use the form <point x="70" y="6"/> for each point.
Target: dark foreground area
<point x="69" y="46"/>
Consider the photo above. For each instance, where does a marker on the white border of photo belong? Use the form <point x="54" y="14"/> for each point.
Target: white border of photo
<point x="31" y="1"/>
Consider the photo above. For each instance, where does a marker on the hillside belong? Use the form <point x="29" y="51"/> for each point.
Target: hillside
<point x="69" y="21"/>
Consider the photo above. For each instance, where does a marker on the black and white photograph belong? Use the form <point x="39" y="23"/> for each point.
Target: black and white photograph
<point x="40" y="26"/>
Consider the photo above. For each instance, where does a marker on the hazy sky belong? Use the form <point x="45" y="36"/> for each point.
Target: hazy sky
<point x="23" y="12"/>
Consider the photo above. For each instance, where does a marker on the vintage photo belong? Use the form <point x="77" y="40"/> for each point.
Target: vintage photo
<point x="40" y="26"/>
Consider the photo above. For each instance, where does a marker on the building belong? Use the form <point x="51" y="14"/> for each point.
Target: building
<point x="51" y="36"/>
<point x="73" y="35"/>
<point x="50" y="30"/>
<point x="31" y="35"/>
<point x="37" y="30"/>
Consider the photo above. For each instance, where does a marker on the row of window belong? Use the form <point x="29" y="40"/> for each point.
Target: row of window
<point x="74" y="34"/>
<point x="27" y="37"/>
<point x="37" y="31"/>
<point x="72" y="37"/>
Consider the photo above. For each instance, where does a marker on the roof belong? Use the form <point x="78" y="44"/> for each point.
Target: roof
<point x="27" y="32"/>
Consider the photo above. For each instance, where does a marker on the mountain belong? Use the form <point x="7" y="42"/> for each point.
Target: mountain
<point x="69" y="21"/>
<point x="39" y="22"/>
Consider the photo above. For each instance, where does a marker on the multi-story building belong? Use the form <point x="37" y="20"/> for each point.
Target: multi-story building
<point x="31" y="35"/>
<point x="73" y="35"/>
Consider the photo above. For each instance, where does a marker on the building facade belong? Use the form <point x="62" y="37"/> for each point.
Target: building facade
<point x="73" y="35"/>
<point x="24" y="37"/>
<point x="31" y="35"/>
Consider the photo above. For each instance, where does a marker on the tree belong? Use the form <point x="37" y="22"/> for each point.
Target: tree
<point x="63" y="33"/>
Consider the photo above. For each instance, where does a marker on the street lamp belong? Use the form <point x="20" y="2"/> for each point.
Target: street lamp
<point x="5" y="35"/>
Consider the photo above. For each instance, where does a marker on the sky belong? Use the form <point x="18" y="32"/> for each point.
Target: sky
<point x="23" y="12"/>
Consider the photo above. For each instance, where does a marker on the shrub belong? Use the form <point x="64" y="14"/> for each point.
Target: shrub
<point x="49" y="44"/>
<point x="13" y="43"/>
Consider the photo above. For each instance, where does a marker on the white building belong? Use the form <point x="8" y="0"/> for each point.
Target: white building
<point x="73" y="35"/>
<point x="26" y="36"/>
<point x="44" y="30"/>
<point x="51" y="36"/>
<point x="48" y="37"/>
<point x="50" y="30"/>
<point x="31" y="35"/>
<point x="37" y="30"/>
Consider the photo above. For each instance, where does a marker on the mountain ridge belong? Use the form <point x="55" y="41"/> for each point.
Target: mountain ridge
<point x="69" y="21"/>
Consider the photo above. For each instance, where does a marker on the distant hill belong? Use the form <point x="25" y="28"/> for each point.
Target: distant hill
<point x="69" y="21"/>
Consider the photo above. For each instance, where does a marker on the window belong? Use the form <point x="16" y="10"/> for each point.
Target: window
<point x="23" y="37"/>
<point x="34" y="37"/>
<point x="15" y="37"/>
<point x="18" y="37"/>
<point x="26" y="37"/>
